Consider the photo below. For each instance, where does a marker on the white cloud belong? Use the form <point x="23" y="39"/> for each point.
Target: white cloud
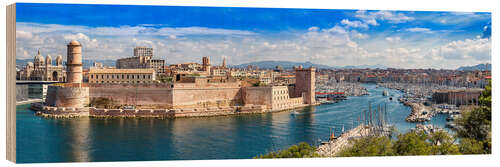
<point x="419" y="29"/>
<point x="128" y="30"/>
<point x="78" y="37"/>
<point x="24" y="35"/>
<point x="358" y="35"/>
<point x="335" y="45"/>
<point x="389" y="16"/>
<point x="337" y="29"/>
<point x="313" y="28"/>
<point x="355" y="24"/>
<point x="393" y="39"/>
<point x="468" y="49"/>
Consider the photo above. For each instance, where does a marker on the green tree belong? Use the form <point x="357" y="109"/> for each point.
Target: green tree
<point x="369" y="146"/>
<point x="473" y="124"/>
<point x="443" y="144"/>
<point x="302" y="150"/>
<point x="412" y="143"/>
<point x="471" y="146"/>
<point x="485" y="98"/>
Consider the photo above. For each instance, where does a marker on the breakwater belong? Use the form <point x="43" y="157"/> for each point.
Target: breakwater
<point x="333" y="147"/>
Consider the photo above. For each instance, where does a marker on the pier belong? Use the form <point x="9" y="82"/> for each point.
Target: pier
<point x="333" y="147"/>
<point x="419" y="112"/>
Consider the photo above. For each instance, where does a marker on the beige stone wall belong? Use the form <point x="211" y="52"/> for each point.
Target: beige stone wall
<point x="206" y="97"/>
<point x="158" y="95"/>
<point x="77" y="97"/>
<point x="258" y="96"/>
<point x="204" y="94"/>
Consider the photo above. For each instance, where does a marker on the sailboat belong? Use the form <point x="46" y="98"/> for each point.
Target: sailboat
<point x="332" y="135"/>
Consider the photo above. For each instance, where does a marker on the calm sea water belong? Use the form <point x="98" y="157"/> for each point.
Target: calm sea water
<point x="226" y="137"/>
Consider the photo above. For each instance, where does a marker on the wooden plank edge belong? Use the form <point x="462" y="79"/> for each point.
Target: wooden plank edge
<point x="11" y="82"/>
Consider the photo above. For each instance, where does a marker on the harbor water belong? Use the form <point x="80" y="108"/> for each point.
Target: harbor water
<point x="225" y="137"/>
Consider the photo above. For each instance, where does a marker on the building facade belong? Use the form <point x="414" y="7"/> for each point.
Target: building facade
<point x="143" y="58"/>
<point x="457" y="97"/>
<point x="122" y="76"/>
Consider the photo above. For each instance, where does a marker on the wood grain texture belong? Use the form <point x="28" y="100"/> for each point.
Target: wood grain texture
<point x="11" y="82"/>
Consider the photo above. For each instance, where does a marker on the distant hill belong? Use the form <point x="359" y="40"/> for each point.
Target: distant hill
<point x="290" y="65"/>
<point x="86" y="63"/>
<point x="365" y="66"/>
<point x="485" y="66"/>
<point x="284" y="64"/>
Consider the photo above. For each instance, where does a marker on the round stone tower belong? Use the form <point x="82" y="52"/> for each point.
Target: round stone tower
<point x="74" y="63"/>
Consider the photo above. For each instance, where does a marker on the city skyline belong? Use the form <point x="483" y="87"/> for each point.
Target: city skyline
<point x="400" y="39"/>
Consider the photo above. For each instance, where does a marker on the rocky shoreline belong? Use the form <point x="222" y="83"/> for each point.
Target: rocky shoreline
<point x="62" y="112"/>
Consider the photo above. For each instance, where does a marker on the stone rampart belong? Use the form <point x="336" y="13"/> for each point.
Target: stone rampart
<point x="157" y="95"/>
<point x="77" y="97"/>
<point x="258" y="96"/>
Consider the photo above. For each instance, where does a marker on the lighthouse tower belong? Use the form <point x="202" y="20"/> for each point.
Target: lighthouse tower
<point x="74" y="63"/>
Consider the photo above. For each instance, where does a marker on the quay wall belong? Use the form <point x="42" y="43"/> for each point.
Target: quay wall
<point x="175" y="113"/>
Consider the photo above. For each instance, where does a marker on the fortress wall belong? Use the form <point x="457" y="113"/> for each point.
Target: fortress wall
<point x="185" y="95"/>
<point x="132" y="94"/>
<point x="77" y="97"/>
<point x="258" y="96"/>
<point x="200" y="83"/>
<point x="206" y="97"/>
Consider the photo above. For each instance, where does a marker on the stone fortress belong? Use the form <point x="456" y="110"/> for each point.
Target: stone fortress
<point x="186" y="96"/>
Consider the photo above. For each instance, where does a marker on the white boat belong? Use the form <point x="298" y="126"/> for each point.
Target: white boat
<point x="385" y="93"/>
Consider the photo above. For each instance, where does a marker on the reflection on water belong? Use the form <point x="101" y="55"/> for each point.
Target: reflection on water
<point x="226" y="137"/>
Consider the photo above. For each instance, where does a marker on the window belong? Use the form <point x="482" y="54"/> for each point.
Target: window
<point x="92" y="76"/>
<point x="123" y="76"/>
<point x="143" y="76"/>
<point x="96" y="76"/>
<point x="128" y="76"/>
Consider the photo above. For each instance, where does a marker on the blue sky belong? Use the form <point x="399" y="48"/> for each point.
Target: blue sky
<point x="405" y="39"/>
